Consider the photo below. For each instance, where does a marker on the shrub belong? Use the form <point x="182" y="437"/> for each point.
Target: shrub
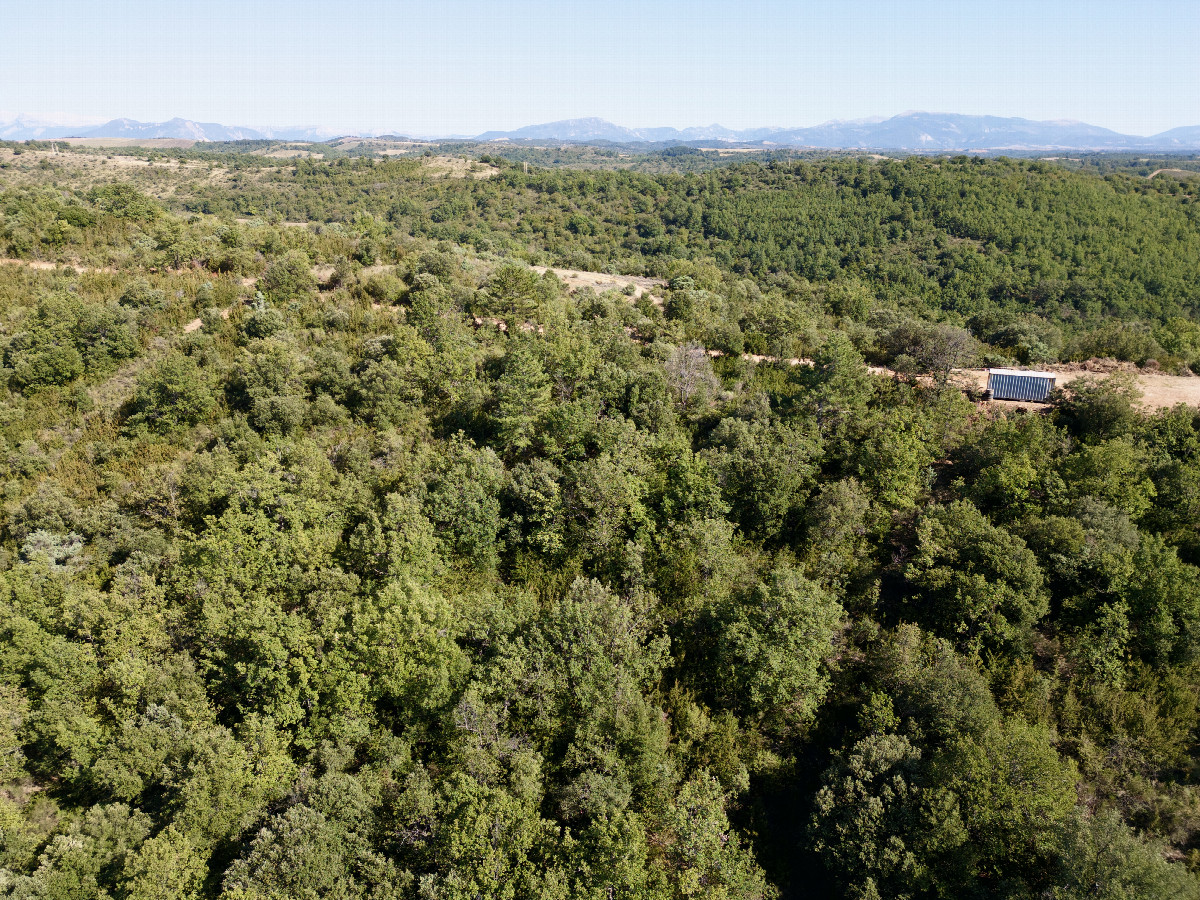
<point x="288" y="277"/>
<point x="174" y="395"/>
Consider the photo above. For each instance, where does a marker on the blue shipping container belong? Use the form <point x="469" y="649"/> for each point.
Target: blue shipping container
<point x="1014" y="384"/>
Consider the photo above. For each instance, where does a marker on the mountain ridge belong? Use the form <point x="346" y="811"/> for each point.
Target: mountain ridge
<point x="911" y="131"/>
<point x="26" y="128"/>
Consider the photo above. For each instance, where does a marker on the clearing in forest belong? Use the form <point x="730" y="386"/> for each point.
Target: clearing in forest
<point x="1159" y="391"/>
<point x="575" y="279"/>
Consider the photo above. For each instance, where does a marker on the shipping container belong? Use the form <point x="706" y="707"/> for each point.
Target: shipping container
<point x="1016" y="384"/>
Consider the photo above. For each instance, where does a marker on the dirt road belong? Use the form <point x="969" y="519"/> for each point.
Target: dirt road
<point x="1159" y="391"/>
<point x="46" y="265"/>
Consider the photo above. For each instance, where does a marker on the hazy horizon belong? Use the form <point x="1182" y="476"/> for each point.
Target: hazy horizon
<point x="465" y="66"/>
<point x="90" y="122"/>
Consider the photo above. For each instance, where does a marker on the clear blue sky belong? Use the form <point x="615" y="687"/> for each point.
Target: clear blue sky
<point x="464" y="66"/>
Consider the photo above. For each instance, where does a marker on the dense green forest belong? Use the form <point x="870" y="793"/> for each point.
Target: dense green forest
<point x="356" y="559"/>
<point x="1039" y="262"/>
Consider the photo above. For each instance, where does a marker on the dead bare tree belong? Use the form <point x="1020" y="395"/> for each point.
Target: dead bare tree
<point x="690" y="373"/>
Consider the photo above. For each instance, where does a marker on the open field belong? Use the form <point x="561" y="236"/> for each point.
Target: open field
<point x="160" y="177"/>
<point x="83" y="160"/>
<point x="151" y="143"/>
<point x="1178" y="173"/>
<point x="289" y="153"/>
<point x="457" y="167"/>
<point x="381" y="145"/>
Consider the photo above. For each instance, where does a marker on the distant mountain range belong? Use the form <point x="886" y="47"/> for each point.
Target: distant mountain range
<point x="588" y="130"/>
<point x="907" y="131"/>
<point x="25" y="128"/>
<point x="915" y="131"/>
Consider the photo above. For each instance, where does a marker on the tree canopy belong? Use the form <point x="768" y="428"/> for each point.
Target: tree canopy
<point x="364" y="560"/>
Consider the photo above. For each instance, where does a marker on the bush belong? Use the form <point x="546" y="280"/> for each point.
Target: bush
<point x="1129" y="342"/>
<point x="913" y="346"/>
<point x="124" y="201"/>
<point x="140" y="295"/>
<point x="37" y="363"/>
<point x="173" y="396"/>
<point x="67" y="338"/>
<point x="1095" y="409"/>
<point x="288" y="277"/>
<point x="262" y="322"/>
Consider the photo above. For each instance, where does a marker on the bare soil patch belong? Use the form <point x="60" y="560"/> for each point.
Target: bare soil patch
<point x="246" y="221"/>
<point x="575" y="279"/>
<point x="288" y="153"/>
<point x="47" y="265"/>
<point x="159" y="143"/>
<point x="457" y="167"/>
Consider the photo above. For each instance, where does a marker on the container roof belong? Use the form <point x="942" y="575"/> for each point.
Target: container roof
<point x="1025" y="372"/>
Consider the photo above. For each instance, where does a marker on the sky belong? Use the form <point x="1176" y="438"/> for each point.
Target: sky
<point x="467" y="66"/>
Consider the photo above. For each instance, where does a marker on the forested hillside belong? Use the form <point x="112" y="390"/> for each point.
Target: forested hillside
<point x="357" y="560"/>
<point x="959" y="235"/>
<point x="1040" y="262"/>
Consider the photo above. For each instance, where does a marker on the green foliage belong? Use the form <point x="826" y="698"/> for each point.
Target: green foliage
<point x="1114" y="472"/>
<point x="165" y="867"/>
<point x="269" y="384"/>
<point x="174" y="395"/>
<point x="512" y="290"/>
<point x="936" y="349"/>
<point x="139" y="295"/>
<point x="702" y="857"/>
<point x="463" y="503"/>
<point x="288" y="277"/>
<point x="765" y="471"/>
<point x="448" y="582"/>
<point x="933" y="791"/>
<point x="124" y="201"/>
<point x="1095" y="410"/>
<point x="67" y="338"/>
<point x="1014" y="796"/>
<point x="772" y="650"/>
<point x="1103" y="858"/>
<point x="836" y="386"/>
<point x="1033" y="256"/>
<point x="300" y="853"/>
<point x="973" y="582"/>
<point x="872" y="823"/>
<point x="523" y="397"/>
